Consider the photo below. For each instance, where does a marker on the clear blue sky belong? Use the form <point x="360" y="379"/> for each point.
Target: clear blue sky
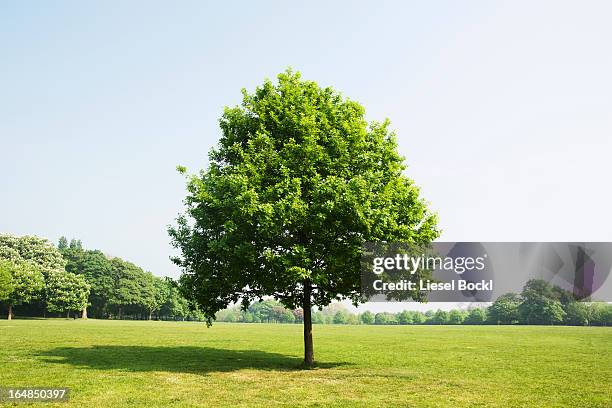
<point x="502" y="109"/>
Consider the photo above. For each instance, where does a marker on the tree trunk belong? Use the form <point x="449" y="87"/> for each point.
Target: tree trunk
<point x="150" y="315"/>
<point x="68" y="314"/>
<point x="10" y="312"/>
<point x="307" y="308"/>
<point x="84" y="313"/>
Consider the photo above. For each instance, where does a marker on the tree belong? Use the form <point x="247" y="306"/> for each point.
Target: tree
<point x="385" y="318"/>
<point x="352" y="318"/>
<point x="601" y="314"/>
<point x="440" y="317"/>
<point x="299" y="315"/>
<point x="404" y="317"/>
<point x="456" y="316"/>
<point x="577" y="314"/>
<point x="62" y="244"/>
<point x="263" y="311"/>
<point x="37" y="250"/>
<point x="540" y="304"/>
<point x="298" y="182"/>
<point x="98" y="272"/>
<point x="367" y="317"/>
<point x="505" y="309"/>
<point x="27" y="283"/>
<point x="152" y="293"/>
<point x="418" y="318"/>
<point x="476" y="316"/>
<point x="539" y="288"/>
<point x="175" y="305"/>
<point x="341" y="317"/>
<point x="286" y="316"/>
<point x="76" y="244"/>
<point x="318" y="318"/>
<point x="126" y="290"/>
<point x="541" y="310"/>
<point x="6" y="279"/>
<point x="66" y="292"/>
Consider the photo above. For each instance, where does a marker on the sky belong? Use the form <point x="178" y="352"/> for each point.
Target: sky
<point x="503" y="110"/>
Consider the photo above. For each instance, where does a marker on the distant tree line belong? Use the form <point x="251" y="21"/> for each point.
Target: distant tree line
<point x="39" y="279"/>
<point x="538" y="304"/>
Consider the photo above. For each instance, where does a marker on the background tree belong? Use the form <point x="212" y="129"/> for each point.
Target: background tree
<point x="418" y="318"/>
<point x="299" y="315"/>
<point x="264" y="310"/>
<point x="341" y="317"/>
<point x="404" y="317"/>
<point x="27" y="283"/>
<point x="367" y="317"/>
<point x="62" y="244"/>
<point x="175" y="305"/>
<point x="97" y="270"/>
<point x="34" y="249"/>
<point x="577" y="314"/>
<point x="6" y="279"/>
<point x="66" y="292"/>
<point x="505" y="309"/>
<point x="318" y="318"/>
<point x="298" y="182"/>
<point x="385" y="318"/>
<point x="76" y="244"/>
<point x="540" y="304"/>
<point x="151" y="293"/>
<point x="456" y="316"/>
<point x="476" y="316"/>
<point x="439" y="317"/>
<point x="541" y="310"/>
<point x="601" y="314"/>
<point x="285" y="315"/>
<point x="126" y="291"/>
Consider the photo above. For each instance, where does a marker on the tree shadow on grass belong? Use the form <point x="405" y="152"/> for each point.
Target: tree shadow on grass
<point x="182" y="359"/>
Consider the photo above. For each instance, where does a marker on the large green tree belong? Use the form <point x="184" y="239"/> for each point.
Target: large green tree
<point x="97" y="270"/>
<point x="33" y="258"/>
<point x="153" y="293"/>
<point x="34" y="249"/>
<point x="298" y="182"/>
<point x="505" y="309"/>
<point x="540" y="303"/>
<point x="27" y="283"/>
<point x="127" y="286"/>
<point x="175" y="305"/>
<point x="6" y="279"/>
<point x="66" y="292"/>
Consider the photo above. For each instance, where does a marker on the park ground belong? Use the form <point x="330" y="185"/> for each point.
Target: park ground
<point x="167" y="364"/>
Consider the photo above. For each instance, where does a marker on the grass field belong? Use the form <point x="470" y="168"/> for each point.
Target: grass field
<point x="163" y="364"/>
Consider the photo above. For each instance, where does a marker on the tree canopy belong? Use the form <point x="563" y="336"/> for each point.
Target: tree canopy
<point x="26" y="283"/>
<point x="298" y="182"/>
<point x="36" y="250"/>
<point x="66" y="292"/>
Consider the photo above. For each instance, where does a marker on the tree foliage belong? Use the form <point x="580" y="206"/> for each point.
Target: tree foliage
<point x="66" y="292"/>
<point x="476" y="316"/>
<point x="36" y="250"/>
<point x="27" y="282"/>
<point x="505" y="309"/>
<point x="6" y="279"/>
<point x="298" y="182"/>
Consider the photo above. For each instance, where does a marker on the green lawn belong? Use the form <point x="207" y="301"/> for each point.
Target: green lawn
<point x="162" y="364"/>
